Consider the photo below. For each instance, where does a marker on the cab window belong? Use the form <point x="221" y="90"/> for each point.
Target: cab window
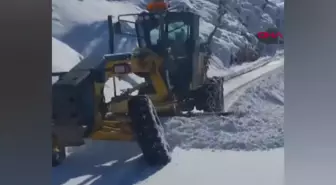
<point x="154" y="35"/>
<point x="141" y="33"/>
<point x="178" y="31"/>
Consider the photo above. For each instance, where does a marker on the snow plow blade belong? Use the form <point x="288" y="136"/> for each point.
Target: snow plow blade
<point x="194" y="114"/>
<point x="197" y="114"/>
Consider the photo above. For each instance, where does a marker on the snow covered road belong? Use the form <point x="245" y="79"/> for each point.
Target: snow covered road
<point x="105" y="166"/>
<point x="235" y="83"/>
<point x="239" y="82"/>
<point x="197" y="167"/>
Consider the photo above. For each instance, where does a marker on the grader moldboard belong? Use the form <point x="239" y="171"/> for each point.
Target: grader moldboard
<point x="173" y="63"/>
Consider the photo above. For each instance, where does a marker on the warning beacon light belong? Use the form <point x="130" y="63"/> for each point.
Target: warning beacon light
<point x="157" y="6"/>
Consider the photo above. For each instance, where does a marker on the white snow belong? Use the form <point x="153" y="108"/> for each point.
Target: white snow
<point x="256" y="124"/>
<point x="236" y="168"/>
<point x="102" y="165"/>
<point x="236" y="70"/>
<point x="235" y="83"/>
<point x="83" y="26"/>
<point x="63" y="57"/>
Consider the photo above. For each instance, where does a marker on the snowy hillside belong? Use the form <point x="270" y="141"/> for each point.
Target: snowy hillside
<point x="63" y="57"/>
<point x="82" y="23"/>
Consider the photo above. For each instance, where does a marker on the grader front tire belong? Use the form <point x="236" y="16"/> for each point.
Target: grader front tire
<point x="148" y="130"/>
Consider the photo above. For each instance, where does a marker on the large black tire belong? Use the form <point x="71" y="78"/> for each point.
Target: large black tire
<point x="148" y="131"/>
<point x="210" y="97"/>
<point x="58" y="152"/>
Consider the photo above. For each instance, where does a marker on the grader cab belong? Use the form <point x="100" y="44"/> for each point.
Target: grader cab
<point x="173" y="62"/>
<point x="174" y="37"/>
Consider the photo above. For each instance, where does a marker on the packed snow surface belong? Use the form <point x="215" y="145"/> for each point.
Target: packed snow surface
<point x="105" y="163"/>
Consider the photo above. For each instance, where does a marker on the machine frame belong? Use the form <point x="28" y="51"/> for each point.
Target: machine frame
<point x="79" y="106"/>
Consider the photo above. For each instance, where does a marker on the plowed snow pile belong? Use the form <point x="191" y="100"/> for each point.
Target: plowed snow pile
<point x="258" y="124"/>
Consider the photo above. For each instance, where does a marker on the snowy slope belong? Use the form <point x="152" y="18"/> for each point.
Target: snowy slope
<point x="63" y="57"/>
<point x="82" y="23"/>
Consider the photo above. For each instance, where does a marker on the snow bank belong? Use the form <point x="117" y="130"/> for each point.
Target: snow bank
<point x="236" y="70"/>
<point x="258" y="124"/>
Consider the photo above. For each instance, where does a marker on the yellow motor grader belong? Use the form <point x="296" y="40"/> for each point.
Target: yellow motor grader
<point x="173" y="62"/>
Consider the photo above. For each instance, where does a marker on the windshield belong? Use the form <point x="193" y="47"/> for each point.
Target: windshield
<point x="141" y="34"/>
<point x="154" y="35"/>
<point x="178" y="31"/>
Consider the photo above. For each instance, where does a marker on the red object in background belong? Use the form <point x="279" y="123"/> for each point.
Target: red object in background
<point x="266" y="35"/>
<point x="157" y="6"/>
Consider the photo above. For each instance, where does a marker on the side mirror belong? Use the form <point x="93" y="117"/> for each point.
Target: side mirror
<point x="117" y="28"/>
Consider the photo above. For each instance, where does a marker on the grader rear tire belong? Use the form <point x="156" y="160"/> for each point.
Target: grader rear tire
<point x="148" y="131"/>
<point x="210" y="97"/>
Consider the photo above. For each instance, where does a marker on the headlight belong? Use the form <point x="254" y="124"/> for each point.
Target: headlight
<point x="121" y="68"/>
